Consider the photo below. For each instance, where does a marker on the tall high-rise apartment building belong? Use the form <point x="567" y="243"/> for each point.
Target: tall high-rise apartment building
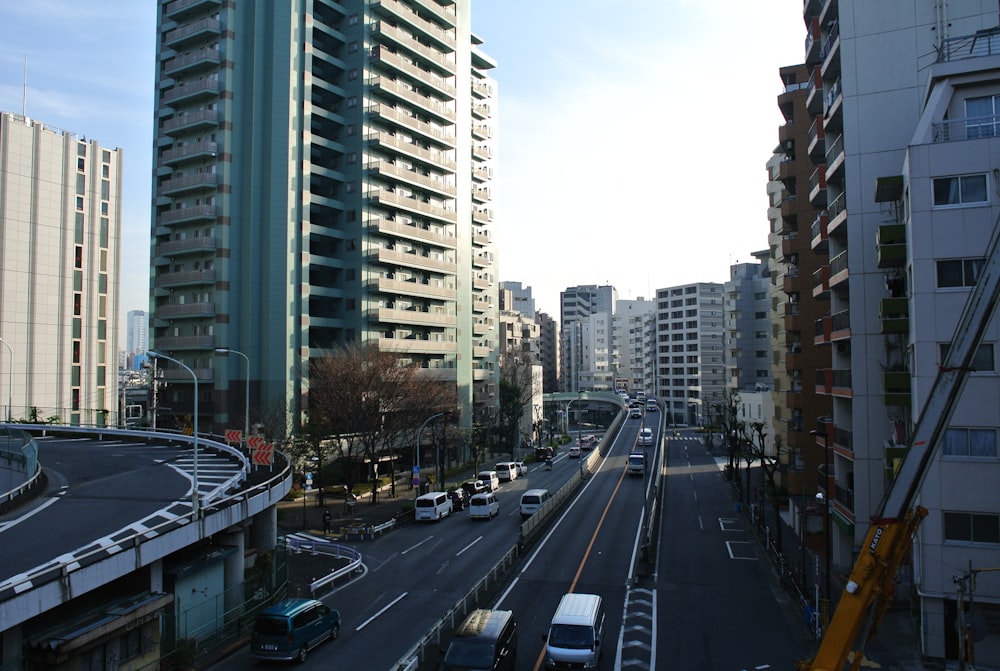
<point x="633" y="342"/>
<point x="800" y="288"/>
<point x="322" y="179"/>
<point x="908" y="178"/>
<point x="136" y="332"/>
<point x="747" y="305"/>
<point x="690" y="359"/>
<point x="548" y="334"/>
<point x="60" y="210"/>
<point x="580" y="337"/>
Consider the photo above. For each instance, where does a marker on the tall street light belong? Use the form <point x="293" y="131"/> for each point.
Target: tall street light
<point x="10" y="375"/>
<point x="194" y="486"/>
<point x="246" y="412"/>
<point x="416" y="451"/>
<point x="824" y="500"/>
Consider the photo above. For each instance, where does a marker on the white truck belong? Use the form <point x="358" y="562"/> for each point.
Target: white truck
<point x="636" y="463"/>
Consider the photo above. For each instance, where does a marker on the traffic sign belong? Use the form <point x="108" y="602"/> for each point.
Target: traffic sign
<point x="255" y="442"/>
<point x="264" y="455"/>
<point x="234" y="435"/>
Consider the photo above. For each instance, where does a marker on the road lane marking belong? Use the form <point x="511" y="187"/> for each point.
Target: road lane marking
<point x="459" y="553"/>
<point x="414" y="547"/>
<point x="382" y="610"/>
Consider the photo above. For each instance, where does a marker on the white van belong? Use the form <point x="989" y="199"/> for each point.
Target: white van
<point x="490" y="478"/>
<point x="432" y="506"/>
<point x="506" y="471"/>
<point x="574" y="638"/>
<point x="636" y="463"/>
<point x="532" y="500"/>
<point x="483" y="506"/>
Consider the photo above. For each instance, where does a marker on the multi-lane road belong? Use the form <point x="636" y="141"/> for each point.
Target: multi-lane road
<point x="708" y="602"/>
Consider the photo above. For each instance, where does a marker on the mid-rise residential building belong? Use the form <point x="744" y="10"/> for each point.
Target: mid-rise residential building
<point x="322" y="179"/>
<point x="747" y="304"/>
<point x="60" y="209"/>
<point x="690" y="366"/>
<point x="909" y="184"/>
<point x="633" y="342"/>
<point x="548" y="336"/>
<point x="581" y="364"/>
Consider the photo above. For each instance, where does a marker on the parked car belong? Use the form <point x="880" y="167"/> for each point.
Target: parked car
<point x="457" y="497"/>
<point x="291" y="628"/>
<point x="574" y="452"/>
<point x="473" y="487"/>
<point x="522" y="469"/>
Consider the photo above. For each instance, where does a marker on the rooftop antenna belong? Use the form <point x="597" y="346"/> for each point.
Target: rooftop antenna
<point x="24" y="94"/>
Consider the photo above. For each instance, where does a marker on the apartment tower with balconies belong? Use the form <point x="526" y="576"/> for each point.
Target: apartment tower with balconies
<point x="322" y="179"/>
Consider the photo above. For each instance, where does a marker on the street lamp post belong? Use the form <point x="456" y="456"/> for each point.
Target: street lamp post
<point x="246" y="412"/>
<point x="10" y="375"/>
<point x="416" y="449"/>
<point x="194" y="485"/>
<point x="824" y="500"/>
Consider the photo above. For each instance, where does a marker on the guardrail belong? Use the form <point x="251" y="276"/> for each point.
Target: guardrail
<point x="215" y="501"/>
<point x="334" y="550"/>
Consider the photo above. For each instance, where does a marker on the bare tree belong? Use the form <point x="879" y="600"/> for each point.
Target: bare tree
<point x="371" y="401"/>
<point x="516" y="390"/>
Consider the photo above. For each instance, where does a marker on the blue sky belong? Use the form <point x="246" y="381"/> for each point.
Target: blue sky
<point x="633" y="135"/>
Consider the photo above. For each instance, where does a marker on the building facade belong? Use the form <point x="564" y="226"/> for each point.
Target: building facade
<point x="322" y="179"/>
<point x="578" y="337"/>
<point x="60" y="209"/>
<point x="907" y="179"/>
<point x="748" y="325"/>
<point x="690" y="366"/>
<point x="137" y="332"/>
<point x="633" y="338"/>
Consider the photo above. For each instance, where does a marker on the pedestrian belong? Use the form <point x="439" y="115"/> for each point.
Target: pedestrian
<point x="326" y="522"/>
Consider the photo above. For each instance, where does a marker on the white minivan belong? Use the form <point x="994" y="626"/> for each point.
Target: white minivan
<point x="532" y="500"/>
<point x="483" y="506"/>
<point x="506" y="471"/>
<point x="490" y="478"/>
<point x="574" y="638"/>
<point x="432" y="506"/>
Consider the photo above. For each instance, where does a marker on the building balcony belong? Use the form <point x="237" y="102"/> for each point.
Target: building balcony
<point x="177" y="8"/>
<point x="952" y="130"/>
<point x="394" y="9"/>
<point x="481" y="236"/>
<point x="395" y="116"/>
<point x="398" y="173"/>
<point x="894" y="315"/>
<point x="791" y="282"/>
<point x="482" y="215"/>
<point x="185" y="278"/>
<point x="836" y="213"/>
<point x="189" y="92"/>
<point x="831" y="50"/>
<point x="202" y="59"/>
<point x="817" y="141"/>
<point x="839" y="273"/>
<point x="823" y="328"/>
<point x="891" y="245"/>
<point x="199" y="245"/>
<point x="817" y="187"/>
<point x="482" y="259"/>
<point x="411" y="259"/>
<point x="832" y="105"/>
<point x="202" y="181"/>
<point x="835" y="160"/>
<point x="481" y="328"/>
<point x="789" y="245"/>
<point x="482" y="131"/>
<point x="416" y="346"/>
<point x="194" y="32"/>
<point x="814" y="99"/>
<point x="792" y="321"/>
<point x="398" y="65"/>
<point x="434" y="159"/>
<point x="481" y="89"/>
<point x="442" y="12"/>
<point x="977" y="45"/>
<point x="821" y="281"/>
<point x="820" y="237"/>
<point x="840" y="326"/>
<point x="896" y="388"/>
<point x="183" y="215"/>
<point x="481" y="111"/>
<point x="413" y="317"/>
<point x="481" y="173"/>
<point x="398" y="228"/>
<point x="386" y="32"/>
<point x="384" y="198"/>
<point x="188" y="123"/>
<point x="189" y="152"/>
<point x="814" y="42"/>
<point x="482" y="152"/>
<point x="390" y="88"/>
<point x="173" y="343"/>
<point x="834" y="382"/>
<point x="480" y="194"/>
<point x="184" y="311"/>
<point x="414" y="288"/>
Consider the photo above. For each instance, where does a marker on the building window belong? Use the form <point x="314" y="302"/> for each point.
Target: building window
<point x="981" y="117"/>
<point x="958" y="272"/>
<point x="79" y="203"/>
<point x="81" y="164"/>
<point x="962" y="190"/>
<point x="971" y="527"/>
<point x="983" y="362"/>
<point x="979" y="443"/>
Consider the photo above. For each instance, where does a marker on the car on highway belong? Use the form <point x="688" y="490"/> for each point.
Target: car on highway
<point x="458" y="498"/>
<point x="574" y="452"/>
<point x="291" y="628"/>
<point x="473" y="487"/>
<point x="635" y="413"/>
<point x="651" y="407"/>
<point x="522" y="468"/>
<point x="646" y="436"/>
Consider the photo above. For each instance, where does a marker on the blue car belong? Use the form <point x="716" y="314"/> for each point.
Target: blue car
<point x="291" y="628"/>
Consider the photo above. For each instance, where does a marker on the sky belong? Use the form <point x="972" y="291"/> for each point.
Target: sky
<point x="632" y="142"/>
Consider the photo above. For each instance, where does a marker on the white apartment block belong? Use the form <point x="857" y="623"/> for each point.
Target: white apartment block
<point x="690" y="366"/>
<point x="634" y="329"/>
<point x="60" y="199"/>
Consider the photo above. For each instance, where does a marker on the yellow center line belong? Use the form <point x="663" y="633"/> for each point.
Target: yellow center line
<point x="586" y="554"/>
